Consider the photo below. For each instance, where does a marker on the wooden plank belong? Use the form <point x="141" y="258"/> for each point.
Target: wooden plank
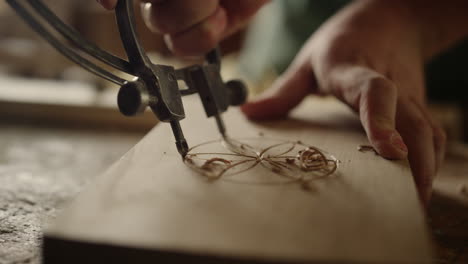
<point x="73" y="116"/>
<point x="65" y="103"/>
<point x="150" y="201"/>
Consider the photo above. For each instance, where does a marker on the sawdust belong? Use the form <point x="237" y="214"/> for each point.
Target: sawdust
<point x="367" y="148"/>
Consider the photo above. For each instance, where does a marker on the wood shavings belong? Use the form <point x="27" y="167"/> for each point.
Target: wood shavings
<point x="311" y="159"/>
<point x="367" y="148"/>
<point x="209" y="164"/>
<point x="292" y="160"/>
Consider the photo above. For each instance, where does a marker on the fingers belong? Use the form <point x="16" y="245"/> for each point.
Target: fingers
<point x="108" y="4"/>
<point x="190" y="28"/>
<point x="175" y="16"/>
<point x="287" y="92"/>
<point x="193" y="27"/>
<point x="201" y="38"/>
<point x="439" y="137"/>
<point x="377" y="110"/>
<point x="397" y="126"/>
<point x="375" y="98"/>
<point x="418" y="134"/>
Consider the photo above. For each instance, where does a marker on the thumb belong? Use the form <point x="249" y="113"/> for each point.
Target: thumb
<point x="287" y="92"/>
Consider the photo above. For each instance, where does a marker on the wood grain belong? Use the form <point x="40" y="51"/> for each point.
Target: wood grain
<point x="149" y="200"/>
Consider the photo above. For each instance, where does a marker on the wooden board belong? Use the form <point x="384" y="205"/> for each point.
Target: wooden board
<point x="65" y="104"/>
<point x="150" y="205"/>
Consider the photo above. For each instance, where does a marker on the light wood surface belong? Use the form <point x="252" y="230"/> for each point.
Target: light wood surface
<point x="65" y="104"/>
<point x="149" y="199"/>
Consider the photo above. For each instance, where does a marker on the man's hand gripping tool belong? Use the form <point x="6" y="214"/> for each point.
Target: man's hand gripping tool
<point x="155" y="85"/>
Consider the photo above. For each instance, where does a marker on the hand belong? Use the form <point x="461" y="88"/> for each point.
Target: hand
<point x="370" y="57"/>
<point x="193" y="27"/>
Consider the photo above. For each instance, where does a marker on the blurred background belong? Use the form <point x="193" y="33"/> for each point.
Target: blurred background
<point x="33" y="72"/>
<point x="60" y="126"/>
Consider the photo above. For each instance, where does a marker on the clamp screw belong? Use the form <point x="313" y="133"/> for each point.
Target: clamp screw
<point x="237" y="92"/>
<point x="133" y="98"/>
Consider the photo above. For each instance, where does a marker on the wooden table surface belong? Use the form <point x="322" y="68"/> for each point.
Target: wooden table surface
<point x="369" y="212"/>
<point x="41" y="169"/>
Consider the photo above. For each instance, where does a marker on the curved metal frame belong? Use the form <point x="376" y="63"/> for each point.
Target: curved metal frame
<point x="157" y="82"/>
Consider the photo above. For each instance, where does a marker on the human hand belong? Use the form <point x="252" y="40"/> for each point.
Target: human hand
<point x="370" y="56"/>
<point x="193" y="27"/>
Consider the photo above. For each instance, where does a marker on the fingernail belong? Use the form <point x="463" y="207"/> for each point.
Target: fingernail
<point x="397" y="142"/>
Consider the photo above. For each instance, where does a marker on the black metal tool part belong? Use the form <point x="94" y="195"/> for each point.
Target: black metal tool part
<point x="155" y="86"/>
